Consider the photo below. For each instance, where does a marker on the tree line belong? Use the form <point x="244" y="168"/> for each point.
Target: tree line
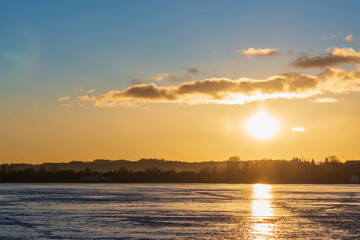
<point x="297" y="170"/>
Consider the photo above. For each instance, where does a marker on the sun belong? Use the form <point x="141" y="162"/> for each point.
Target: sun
<point x="262" y="126"/>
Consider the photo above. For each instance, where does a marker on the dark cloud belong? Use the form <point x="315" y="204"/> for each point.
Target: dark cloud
<point x="145" y="91"/>
<point x="176" y="78"/>
<point x="137" y="81"/>
<point x="339" y="56"/>
<point x="193" y="71"/>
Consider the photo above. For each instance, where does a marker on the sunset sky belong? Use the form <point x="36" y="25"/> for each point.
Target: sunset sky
<point x="180" y="80"/>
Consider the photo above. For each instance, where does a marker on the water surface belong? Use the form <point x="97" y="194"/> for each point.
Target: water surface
<point x="179" y="211"/>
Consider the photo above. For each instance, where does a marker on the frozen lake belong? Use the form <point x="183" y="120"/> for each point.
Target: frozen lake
<point x="179" y="211"/>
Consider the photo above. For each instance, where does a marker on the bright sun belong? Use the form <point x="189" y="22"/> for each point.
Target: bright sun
<point x="262" y="126"/>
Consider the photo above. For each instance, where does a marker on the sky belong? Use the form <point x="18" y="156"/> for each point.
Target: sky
<point x="179" y="80"/>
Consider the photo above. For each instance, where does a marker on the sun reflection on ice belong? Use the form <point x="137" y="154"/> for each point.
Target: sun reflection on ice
<point x="262" y="211"/>
<point x="262" y="191"/>
<point x="261" y="204"/>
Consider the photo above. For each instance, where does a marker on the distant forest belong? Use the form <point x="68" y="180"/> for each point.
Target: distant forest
<point x="297" y="170"/>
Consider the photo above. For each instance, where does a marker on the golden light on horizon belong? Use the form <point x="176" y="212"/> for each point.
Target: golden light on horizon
<point x="262" y="126"/>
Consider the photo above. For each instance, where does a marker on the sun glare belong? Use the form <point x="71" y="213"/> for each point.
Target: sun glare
<point x="262" y="126"/>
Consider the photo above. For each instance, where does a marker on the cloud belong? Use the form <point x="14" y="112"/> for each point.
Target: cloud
<point x="175" y="78"/>
<point x="350" y="38"/>
<point x="193" y="71"/>
<point x="90" y="91"/>
<point x="79" y="90"/>
<point x="288" y="85"/>
<point x="137" y="80"/>
<point x="159" y="77"/>
<point x="63" y="98"/>
<point x="215" y="90"/>
<point x="324" y="100"/>
<point x="298" y="129"/>
<point x="84" y="98"/>
<point x="237" y="62"/>
<point x="338" y="56"/>
<point x="340" y="81"/>
<point x="261" y="52"/>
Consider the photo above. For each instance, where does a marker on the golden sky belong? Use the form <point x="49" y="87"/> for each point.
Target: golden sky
<point x="174" y="82"/>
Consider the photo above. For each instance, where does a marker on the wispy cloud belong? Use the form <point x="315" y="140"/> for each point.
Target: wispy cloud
<point x="298" y="129"/>
<point x="324" y="100"/>
<point x="65" y="98"/>
<point x="84" y="98"/>
<point x="260" y="52"/>
<point x="159" y="77"/>
<point x="337" y="56"/>
<point x="90" y="91"/>
<point x="80" y="90"/>
<point x="193" y="71"/>
<point x="137" y="80"/>
<point x="176" y="78"/>
<point x="237" y="62"/>
<point x="350" y="38"/>
<point x="173" y="78"/>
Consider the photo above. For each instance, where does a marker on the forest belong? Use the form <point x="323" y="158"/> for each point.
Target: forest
<point x="233" y="170"/>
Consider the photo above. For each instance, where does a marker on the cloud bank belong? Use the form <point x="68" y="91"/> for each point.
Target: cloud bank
<point x="215" y="90"/>
<point x="338" y="56"/>
<point x="236" y="91"/>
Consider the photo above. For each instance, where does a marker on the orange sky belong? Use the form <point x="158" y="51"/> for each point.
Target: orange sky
<point x="172" y="81"/>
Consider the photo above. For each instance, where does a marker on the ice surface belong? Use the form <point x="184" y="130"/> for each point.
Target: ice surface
<point x="179" y="211"/>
